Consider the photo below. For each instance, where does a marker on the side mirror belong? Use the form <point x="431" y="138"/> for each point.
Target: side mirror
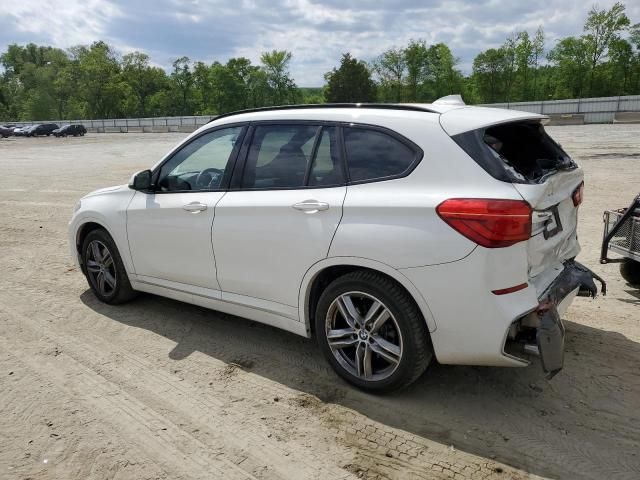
<point x="141" y="180"/>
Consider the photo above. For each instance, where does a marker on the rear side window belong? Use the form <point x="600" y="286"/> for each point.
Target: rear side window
<point x="292" y="156"/>
<point x="326" y="169"/>
<point x="374" y="155"/>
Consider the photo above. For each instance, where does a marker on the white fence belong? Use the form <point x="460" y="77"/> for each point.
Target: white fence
<point x="577" y="111"/>
<point x="590" y="110"/>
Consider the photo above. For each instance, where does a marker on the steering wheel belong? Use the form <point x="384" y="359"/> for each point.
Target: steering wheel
<point x="206" y="177"/>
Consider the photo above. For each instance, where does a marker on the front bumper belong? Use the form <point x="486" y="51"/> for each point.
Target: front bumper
<point x="575" y="278"/>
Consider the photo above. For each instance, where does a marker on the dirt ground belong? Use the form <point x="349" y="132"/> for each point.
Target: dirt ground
<point x="157" y="389"/>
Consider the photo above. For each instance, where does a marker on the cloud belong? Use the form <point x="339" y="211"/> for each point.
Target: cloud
<point x="317" y="32"/>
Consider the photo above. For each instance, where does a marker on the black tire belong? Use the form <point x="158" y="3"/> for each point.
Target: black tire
<point x="122" y="292"/>
<point x="416" y="349"/>
<point x="630" y="271"/>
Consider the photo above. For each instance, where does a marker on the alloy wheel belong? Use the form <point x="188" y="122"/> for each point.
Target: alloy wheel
<point x="363" y="336"/>
<point x="101" y="268"/>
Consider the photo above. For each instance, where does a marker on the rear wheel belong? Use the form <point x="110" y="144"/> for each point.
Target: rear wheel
<point x="371" y="332"/>
<point x="104" y="269"/>
<point x="630" y="271"/>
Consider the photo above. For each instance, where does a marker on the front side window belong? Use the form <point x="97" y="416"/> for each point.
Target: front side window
<point x="372" y="154"/>
<point x="200" y="165"/>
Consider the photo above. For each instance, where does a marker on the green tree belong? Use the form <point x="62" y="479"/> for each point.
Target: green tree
<point x="351" y="82"/>
<point x="282" y="89"/>
<point x="602" y="28"/>
<point x="634" y="39"/>
<point x="416" y="57"/>
<point x="509" y="54"/>
<point x="524" y="62"/>
<point x="571" y="58"/>
<point x="489" y="68"/>
<point x="443" y="78"/>
<point x="181" y="81"/>
<point x="391" y="67"/>
<point x="100" y="84"/>
<point x="143" y="79"/>
<point x="621" y="65"/>
<point x="537" y="52"/>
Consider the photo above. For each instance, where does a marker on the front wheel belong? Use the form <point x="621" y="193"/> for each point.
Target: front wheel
<point x="630" y="271"/>
<point x="371" y="332"/>
<point x="104" y="269"/>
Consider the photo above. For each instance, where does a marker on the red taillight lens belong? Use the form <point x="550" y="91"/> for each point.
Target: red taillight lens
<point x="578" y="195"/>
<point x="487" y="222"/>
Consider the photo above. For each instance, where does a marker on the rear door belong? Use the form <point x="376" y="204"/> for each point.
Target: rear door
<point x="281" y="216"/>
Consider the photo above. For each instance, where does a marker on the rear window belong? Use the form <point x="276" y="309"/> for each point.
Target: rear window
<point x="375" y="155"/>
<point x="517" y="152"/>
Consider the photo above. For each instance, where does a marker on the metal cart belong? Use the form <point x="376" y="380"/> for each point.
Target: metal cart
<point x="622" y="236"/>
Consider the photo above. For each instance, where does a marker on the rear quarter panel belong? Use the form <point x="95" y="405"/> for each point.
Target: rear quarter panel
<point x="395" y="221"/>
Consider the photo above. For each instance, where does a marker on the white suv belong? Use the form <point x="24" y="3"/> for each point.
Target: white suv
<point x="392" y="233"/>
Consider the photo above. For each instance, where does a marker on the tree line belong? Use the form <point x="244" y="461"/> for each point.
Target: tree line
<point x="43" y="82"/>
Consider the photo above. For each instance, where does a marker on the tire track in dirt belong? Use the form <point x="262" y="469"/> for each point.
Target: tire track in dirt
<point x="98" y="371"/>
<point x="159" y="438"/>
<point x="384" y="450"/>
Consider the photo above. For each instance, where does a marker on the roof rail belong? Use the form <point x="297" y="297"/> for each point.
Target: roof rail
<point x="381" y="106"/>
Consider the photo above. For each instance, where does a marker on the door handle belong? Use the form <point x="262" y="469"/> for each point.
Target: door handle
<point x="311" y="206"/>
<point x="194" y="207"/>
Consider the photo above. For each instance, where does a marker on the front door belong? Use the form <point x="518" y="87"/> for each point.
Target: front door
<point x="282" y="217"/>
<point x="169" y="228"/>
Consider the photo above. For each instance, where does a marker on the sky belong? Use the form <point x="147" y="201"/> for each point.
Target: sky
<point x="316" y="32"/>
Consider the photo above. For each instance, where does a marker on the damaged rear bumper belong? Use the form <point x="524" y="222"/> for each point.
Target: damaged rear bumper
<point x="541" y="332"/>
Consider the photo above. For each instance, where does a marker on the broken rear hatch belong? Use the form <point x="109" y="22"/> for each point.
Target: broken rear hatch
<point x="513" y="147"/>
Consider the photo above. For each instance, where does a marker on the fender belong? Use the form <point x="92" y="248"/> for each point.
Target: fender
<point x="95" y="217"/>
<point x="312" y="273"/>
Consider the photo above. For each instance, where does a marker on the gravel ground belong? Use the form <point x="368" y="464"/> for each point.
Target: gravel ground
<point x="159" y="389"/>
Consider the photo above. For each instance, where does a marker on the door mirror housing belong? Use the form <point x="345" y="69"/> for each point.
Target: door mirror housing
<point x="141" y="180"/>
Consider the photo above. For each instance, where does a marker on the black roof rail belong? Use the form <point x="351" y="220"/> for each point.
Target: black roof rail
<point x="381" y="106"/>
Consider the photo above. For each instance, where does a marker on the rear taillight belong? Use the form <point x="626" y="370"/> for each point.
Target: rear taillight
<point x="488" y="222"/>
<point x="578" y="195"/>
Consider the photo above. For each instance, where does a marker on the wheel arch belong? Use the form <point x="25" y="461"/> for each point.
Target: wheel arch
<point x="323" y="272"/>
<point x="83" y="226"/>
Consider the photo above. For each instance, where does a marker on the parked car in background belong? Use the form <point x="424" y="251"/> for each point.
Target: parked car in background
<point x="42" y="129"/>
<point x="5" y="131"/>
<point x="395" y="234"/>
<point x="26" y="130"/>
<point x="65" y="130"/>
<point x="21" y="130"/>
